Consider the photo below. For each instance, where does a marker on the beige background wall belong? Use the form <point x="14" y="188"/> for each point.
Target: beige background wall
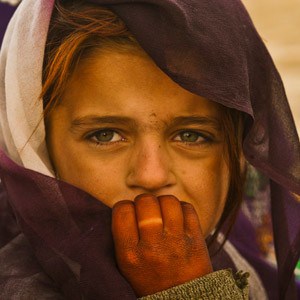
<point x="278" y="22"/>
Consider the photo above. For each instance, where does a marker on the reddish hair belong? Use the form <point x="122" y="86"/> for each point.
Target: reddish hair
<point x="76" y="30"/>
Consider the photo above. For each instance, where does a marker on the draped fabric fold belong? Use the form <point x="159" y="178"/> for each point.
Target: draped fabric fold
<point x="69" y="232"/>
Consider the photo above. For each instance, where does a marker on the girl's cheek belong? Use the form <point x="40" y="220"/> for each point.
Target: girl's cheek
<point x="206" y="188"/>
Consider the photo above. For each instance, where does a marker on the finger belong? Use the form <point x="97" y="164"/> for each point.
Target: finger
<point x="148" y="216"/>
<point x="193" y="230"/>
<point x="192" y="225"/>
<point x="171" y="214"/>
<point x="124" y="225"/>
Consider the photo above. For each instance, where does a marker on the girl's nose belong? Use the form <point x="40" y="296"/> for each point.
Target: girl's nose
<point x="150" y="168"/>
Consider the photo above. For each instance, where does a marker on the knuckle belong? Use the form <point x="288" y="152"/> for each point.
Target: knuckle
<point x="151" y="224"/>
<point x="129" y="258"/>
<point x="162" y="254"/>
<point x="154" y="258"/>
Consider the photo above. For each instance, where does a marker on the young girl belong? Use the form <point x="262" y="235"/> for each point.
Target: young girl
<point x="127" y="127"/>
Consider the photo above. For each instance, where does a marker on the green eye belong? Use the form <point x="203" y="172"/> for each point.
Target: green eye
<point x="105" y="136"/>
<point x="190" y="136"/>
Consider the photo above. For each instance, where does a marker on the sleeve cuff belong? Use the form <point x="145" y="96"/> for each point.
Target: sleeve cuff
<point x="217" y="285"/>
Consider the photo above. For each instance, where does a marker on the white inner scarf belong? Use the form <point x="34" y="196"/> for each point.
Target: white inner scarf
<point x="11" y="2"/>
<point x="22" y="130"/>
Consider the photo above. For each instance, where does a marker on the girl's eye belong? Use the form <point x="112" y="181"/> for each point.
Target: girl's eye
<point x="192" y="137"/>
<point x="105" y="136"/>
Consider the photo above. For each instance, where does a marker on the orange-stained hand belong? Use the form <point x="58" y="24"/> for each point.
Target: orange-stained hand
<point x="158" y="243"/>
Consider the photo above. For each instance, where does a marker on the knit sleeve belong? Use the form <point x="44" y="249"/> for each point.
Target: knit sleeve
<point x="217" y="285"/>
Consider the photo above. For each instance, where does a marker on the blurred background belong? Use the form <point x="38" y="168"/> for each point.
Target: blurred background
<point x="278" y="22"/>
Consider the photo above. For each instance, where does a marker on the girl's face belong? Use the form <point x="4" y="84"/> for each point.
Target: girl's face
<point x="124" y="128"/>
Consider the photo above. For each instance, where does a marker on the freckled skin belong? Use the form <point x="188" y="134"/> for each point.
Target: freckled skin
<point x="131" y="85"/>
<point x="147" y="159"/>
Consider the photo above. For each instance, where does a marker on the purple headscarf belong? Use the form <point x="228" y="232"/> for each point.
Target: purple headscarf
<point x="211" y="48"/>
<point x="6" y="12"/>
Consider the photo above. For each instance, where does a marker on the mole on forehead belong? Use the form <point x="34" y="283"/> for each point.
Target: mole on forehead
<point x="154" y="120"/>
<point x="154" y="123"/>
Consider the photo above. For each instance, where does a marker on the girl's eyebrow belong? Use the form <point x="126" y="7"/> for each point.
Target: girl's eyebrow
<point x="91" y="120"/>
<point x="196" y="120"/>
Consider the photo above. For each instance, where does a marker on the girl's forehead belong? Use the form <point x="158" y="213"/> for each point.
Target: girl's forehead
<point x="130" y="84"/>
